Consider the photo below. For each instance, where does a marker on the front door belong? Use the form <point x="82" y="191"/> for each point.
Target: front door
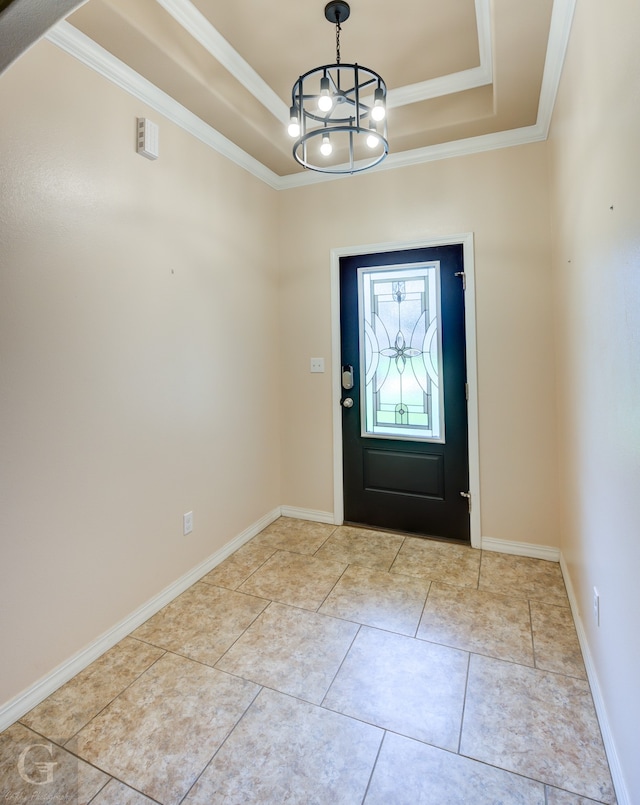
<point x="405" y="431"/>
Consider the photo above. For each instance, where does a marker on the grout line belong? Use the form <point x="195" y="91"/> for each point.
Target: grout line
<point x="241" y="635"/>
<point x="464" y="702"/>
<point x="255" y="570"/>
<point x="100" y="790"/>
<point x="222" y="743"/>
<point x="127" y="785"/>
<point x="533" y="642"/>
<point x="373" y="768"/>
<point x="422" y="611"/>
<point x="325" y="541"/>
<point x="335" y="676"/>
<point x="395" y="558"/>
<point x="70" y="752"/>
<point x="64" y="745"/>
<point x="337" y="581"/>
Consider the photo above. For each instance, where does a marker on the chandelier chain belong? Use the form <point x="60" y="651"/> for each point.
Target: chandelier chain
<point x="338" y="29"/>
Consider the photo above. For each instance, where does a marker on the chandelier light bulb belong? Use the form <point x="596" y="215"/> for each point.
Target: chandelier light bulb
<point x="325" y="101"/>
<point x="326" y="148"/>
<point x="373" y="140"/>
<point x="378" y="112"/>
<point x="294" y="123"/>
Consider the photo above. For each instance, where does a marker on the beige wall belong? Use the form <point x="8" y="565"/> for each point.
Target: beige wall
<point x="142" y="375"/>
<point x="132" y="394"/>
<point x="595" y="145"/>
<point x="502" y="198"/>
<point x="138" y="375"/>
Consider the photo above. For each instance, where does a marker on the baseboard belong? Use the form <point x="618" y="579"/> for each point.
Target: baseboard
<point x="620" y="786"/>
<point x="308" y="514"/>
<point x="15" y="708"/>
<point x="521" y="549"/>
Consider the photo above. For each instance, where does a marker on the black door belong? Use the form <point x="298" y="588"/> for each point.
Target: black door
<point x="405" y="433"/>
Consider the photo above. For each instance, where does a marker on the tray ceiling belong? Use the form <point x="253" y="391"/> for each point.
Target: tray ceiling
<point x="463" y="75"/>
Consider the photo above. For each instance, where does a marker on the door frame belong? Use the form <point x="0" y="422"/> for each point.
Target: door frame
<point x="466" y="240"/>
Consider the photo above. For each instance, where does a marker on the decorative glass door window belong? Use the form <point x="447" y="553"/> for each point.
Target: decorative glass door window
<point x="400" y="346"/>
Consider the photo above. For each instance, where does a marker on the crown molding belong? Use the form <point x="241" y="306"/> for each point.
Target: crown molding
<point x="430" y="153"/>
<point x="437" y="87"/>
<point x="81" y="47"/>
<point x="199" y="27"/>
<point x="97" y="58"/>
<point x="559" y="31"/>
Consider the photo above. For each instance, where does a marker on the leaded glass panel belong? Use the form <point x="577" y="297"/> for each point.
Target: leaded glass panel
<point x="400" y="347"/>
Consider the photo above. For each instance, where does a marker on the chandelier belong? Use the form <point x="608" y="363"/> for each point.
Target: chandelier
<point x="338" y="112"/>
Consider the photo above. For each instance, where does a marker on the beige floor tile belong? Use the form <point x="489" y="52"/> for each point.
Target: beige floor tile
<point x="202" y="622"/>
<point x="404" y="685"/>
<point x="291" y="650"/>
<point x="438" y="561"/>
<point x="557" y="797"/>
<point x="319" y="615"/>
<point x="158" y="736"/>
<point x="408" y="772"/>
<point x="290" y="578"/>
<point x="35" y="770"/>
<point x="555" y="640"/>
<point x="73" y="705"/>
<point x="478" y="621"/>
<point x="362" y="546"/>
<point x="297" y="536"/>
<point x="285" y="750"/>
<point x="116" y="793"/>
<point x="239" y="566"/>
<point x="538" y="724"/>
<point x="376" y="598"/>
<point x="523" y="577"/>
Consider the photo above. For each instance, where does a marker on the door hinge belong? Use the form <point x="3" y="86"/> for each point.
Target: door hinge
<point x="467" y="495"/>
<point x="464" y="279"/>
<point x="466" y="392"/>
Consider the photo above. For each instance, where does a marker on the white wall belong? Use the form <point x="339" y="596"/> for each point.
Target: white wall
<point x="138" y="375"/>
<point x="595" y="148"/>
<point x="502" y="197"/>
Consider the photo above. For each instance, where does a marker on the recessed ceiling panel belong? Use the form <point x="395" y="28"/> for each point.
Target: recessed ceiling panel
<point x="406" y="42"/>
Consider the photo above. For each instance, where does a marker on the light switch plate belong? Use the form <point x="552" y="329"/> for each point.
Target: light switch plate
<point x="317" y="365"/>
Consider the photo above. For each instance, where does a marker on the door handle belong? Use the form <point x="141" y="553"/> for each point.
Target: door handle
<point x="347" y="402"/>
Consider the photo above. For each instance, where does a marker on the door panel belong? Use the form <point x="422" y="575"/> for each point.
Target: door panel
<point x="405" y="460"/>
<point x="408" y="473"/>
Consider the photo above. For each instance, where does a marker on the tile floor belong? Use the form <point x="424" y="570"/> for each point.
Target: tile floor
<point x="329" y="666"/>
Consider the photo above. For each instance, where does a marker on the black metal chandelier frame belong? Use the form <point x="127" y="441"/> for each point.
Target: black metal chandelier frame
<point x="355" y="92"/>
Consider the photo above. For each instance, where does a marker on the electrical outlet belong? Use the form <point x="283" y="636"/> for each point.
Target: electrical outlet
<point x="187" y="523"/>
<point x="596" y="606"/>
